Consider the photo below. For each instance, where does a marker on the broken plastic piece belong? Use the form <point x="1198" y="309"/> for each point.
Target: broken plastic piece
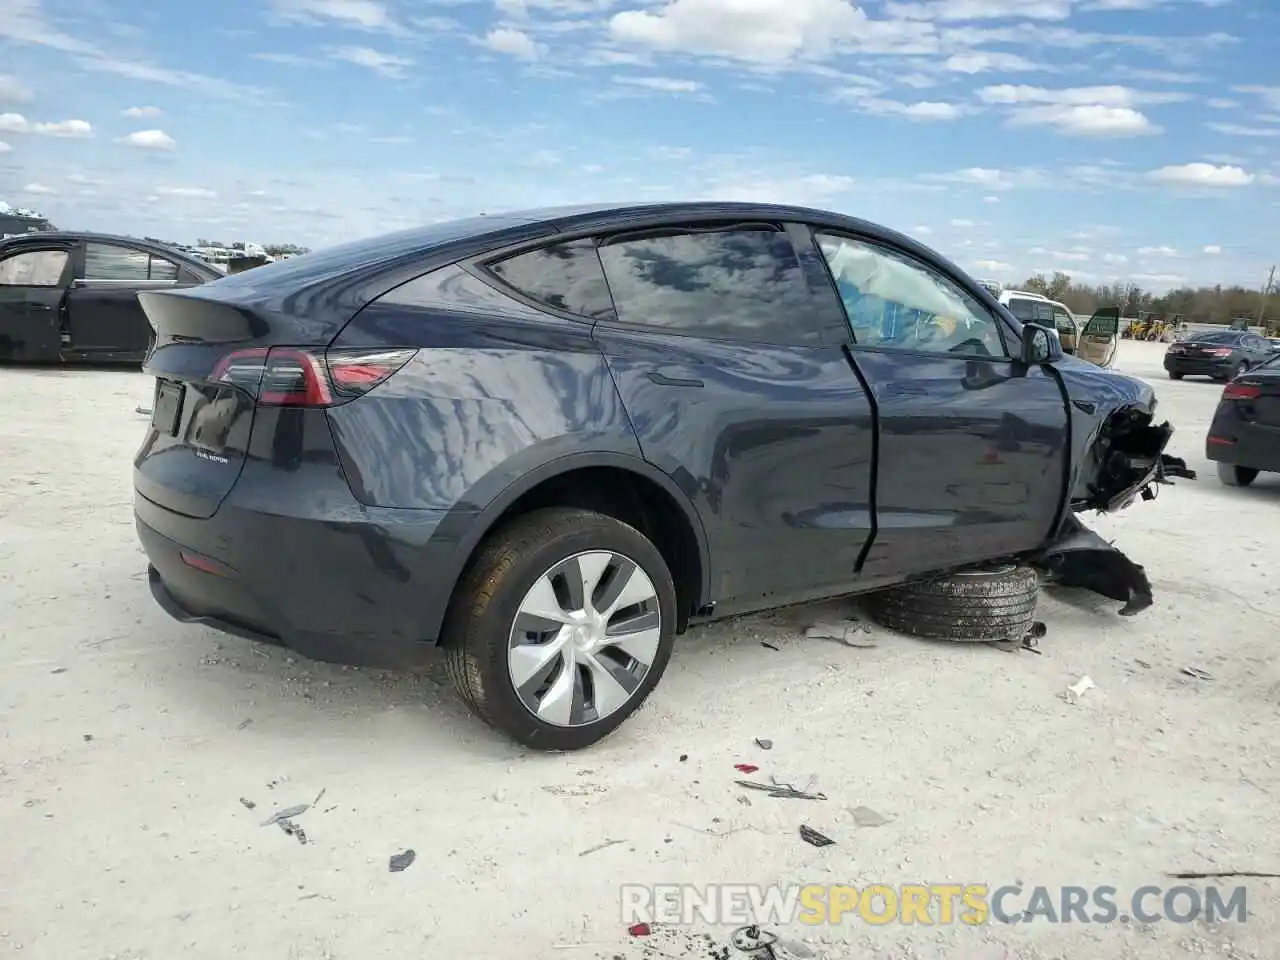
<point x="764" y="744"/>
<point x="745" y="767"/>
<point x="1197" y="673"/>
<point x="849" y="632"/>
<point x="1078" y="689"/>
<point x="401" y="862"/>
<point x="288" y="813"/>
<point x="1080" y="558"/>
<point x="814" y="838"/>
<point x="639" y="930"/>
<point x="866" y="817"/>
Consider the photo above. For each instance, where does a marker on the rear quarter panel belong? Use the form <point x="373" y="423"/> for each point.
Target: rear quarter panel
<point x="496" y="390"/>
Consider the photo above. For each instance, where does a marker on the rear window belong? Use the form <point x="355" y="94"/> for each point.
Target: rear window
<point x="1217" y="336"/>
<point x="1030" y="311"/>
<point x="740" y="283"/>
<point x="566" y="276"/>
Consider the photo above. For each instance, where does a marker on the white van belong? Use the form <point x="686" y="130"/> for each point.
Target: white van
<point x="1097" y="342"/>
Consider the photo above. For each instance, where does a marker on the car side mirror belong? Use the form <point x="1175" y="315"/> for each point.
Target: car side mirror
<point x="1039" y="345"/>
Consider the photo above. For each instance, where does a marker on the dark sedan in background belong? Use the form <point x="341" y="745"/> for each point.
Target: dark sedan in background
<point x="74" y="296"/>
<point x="1244" y="437"/>
<point x="1220" y="354"/>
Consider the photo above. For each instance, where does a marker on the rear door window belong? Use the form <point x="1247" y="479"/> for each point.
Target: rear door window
<point x="566" y="276"/>
<point x="1062" y="320"/>
<point x="103" y="261"/>
<point x="33" y="268"/>
<point x="743" y="282"/>
<point x="162" y="269"/>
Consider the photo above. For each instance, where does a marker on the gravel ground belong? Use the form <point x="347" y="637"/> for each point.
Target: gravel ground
<point x="127" y="742"/>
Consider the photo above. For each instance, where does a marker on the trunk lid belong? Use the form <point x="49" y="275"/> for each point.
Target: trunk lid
<point x="208" y="361"/>
<point x="1256" y="395"/>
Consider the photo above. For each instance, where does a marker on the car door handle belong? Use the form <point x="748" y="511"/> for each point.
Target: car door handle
<point x="662" y="380"/>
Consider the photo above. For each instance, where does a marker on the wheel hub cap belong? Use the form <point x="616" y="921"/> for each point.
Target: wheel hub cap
<point x="584" y="638"/>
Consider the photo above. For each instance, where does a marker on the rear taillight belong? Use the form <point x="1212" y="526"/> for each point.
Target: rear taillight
<point x="295" y="377"/>
<point x="1241" y="391"/>
<point x="1219" y="351"/>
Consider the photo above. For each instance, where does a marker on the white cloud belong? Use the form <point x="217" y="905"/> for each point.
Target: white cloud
<point x="151" y="140"/>
<point x="987" y="61"/>
<point x="384" y="64"/>
<point x="1239" y="130"/>
<point x="1212" y="250"/>
<point x="993" y="266"/>
<point x="1203" y="175"/>
<point x="515" y="43"/>
<point x="670" y="153"/>
<point x="363" y="14"/>
<point x="1222" y="103"/>
<point x="1157" y="251"/>
<point x="1114" y="258"/>
<point x="767" y="31"/>
<point x="929" y="110"/>
<point x="962" y="223"/>
<point x="140" y="113"/>
<point x="14" y="123"/>
<point x="4" y="147"/>
<point x="661" y="84"/>
<point x="38" y="189"/>
<point x="922" y="110"/>
<point x="922" y="230"/>
<point x="990" y="199"/>
<point x="1104" y="111"/>
<point x="1271" y="95"/>
<point x="13" y="91"/>
<point x="962" y="10"/>
<point x="1093" y="120"/>
<point x="66" y="128"/>
<point x="199" y="193"/>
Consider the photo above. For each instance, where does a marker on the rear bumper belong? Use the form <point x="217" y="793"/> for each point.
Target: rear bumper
<point x="353" y="586"/>
<point x="1198" y="367"/>
<point x="1245" y="445"/>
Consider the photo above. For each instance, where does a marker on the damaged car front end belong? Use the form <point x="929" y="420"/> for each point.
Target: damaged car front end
<point x="1117" y="458"/>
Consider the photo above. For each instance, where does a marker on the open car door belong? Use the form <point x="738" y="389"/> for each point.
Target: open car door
<point x="33" y="285"/>
<point x="1100" y="337"/>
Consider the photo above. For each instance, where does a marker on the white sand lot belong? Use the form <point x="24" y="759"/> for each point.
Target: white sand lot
<point x="127" y="741"/>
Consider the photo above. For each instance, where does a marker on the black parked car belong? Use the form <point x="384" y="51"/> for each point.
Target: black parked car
<point x="1244" y="437"/>
<point x="550" y="441"/>
<point x="1221" y="354"/>
<point x="74" y="296"/>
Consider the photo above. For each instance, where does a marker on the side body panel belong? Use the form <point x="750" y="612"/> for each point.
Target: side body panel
<point x="774" y="446"/>
<point x="972" y="460"/>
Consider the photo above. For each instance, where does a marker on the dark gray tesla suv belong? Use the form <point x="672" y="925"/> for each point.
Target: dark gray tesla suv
<point x="550" y="441"/>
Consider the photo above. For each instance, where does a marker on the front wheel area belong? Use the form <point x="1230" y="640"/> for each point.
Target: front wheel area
<point x="1234" y="476"/>
<point x="561" y="628"/>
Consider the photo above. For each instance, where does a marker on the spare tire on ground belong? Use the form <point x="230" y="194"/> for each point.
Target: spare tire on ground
<point x="975" y="605"/>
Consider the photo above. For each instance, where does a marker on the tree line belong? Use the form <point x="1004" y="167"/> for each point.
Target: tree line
<point x="1216" y="304"/>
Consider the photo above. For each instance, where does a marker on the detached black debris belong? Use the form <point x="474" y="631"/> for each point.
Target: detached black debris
<point x="288" y="813"/>
<point x="1080" y="558"/>
<point x="401" y="862"/>
<point x="814" y="838"/>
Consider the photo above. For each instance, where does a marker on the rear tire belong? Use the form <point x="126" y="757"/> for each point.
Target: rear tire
<point x="977" y="606"/>
<point x="1176" y="376"/>
<point x="528" y="564"/>
<point x="1234" y="476"/>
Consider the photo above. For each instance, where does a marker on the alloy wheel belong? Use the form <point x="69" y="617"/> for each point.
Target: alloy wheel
<point x="584" y="638"/>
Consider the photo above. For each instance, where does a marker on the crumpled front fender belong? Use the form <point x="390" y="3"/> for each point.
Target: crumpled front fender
<point x="1128" y="461"/>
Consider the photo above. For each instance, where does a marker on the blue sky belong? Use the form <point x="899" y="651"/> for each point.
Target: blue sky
<point x="1131" y="139"/>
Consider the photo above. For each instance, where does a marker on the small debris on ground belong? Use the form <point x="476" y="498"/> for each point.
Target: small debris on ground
<point x="401" y="862"/>
<point x="244" y="723"/>
<point x="764" y="744"/>
<point x="1143" y="664"/>
<point x="777" y="789"/>
<point x="745" y="767"/>
<point x="600" y="846"/>
<point x="1078" y="689"/>
<point x="144" y="411"/>
<point x="754" y="940"/>
<point x="288" y="813"/>
<point x="58" y="670"/>
<point x="684" y="757"/>
<point x="1197" y="673"/>
<point x="639" y="930"/>
<point x="769" y="646"/>
<point x="866" y="817"/>
<point x="88" y="737"/>
<point x="851" y="633"/>
<point x="319" y="797"/>
<point x="814" y="838"/>
<point x="293" y="830"/>
<point x="1225" y="874"/>
<point x="248" y="804"/>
